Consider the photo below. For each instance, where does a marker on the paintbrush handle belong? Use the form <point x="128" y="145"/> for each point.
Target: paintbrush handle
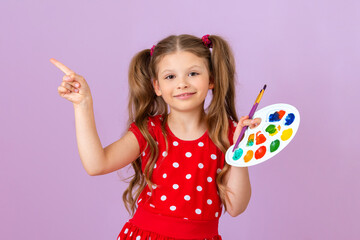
<point x="251" y="114"/>
<point x="239" y="138"/>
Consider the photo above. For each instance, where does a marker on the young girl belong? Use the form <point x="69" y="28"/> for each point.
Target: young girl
<point x="176" y="147"/>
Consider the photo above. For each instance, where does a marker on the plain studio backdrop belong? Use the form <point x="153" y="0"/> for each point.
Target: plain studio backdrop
<point x="307" y="52"/>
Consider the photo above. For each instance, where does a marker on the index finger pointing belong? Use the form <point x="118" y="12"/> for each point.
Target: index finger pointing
<point x="61" y="66"/>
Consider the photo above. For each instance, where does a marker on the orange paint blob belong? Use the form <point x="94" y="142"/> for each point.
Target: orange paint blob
<point x="260" y="138"/>
<point x="260" y="152"/>
<point x="249" y="155"/>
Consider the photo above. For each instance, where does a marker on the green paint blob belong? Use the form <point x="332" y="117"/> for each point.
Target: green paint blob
<point x="238" y="153"/>
<point x="271" y="129"/>
<point x="274" y="145"/>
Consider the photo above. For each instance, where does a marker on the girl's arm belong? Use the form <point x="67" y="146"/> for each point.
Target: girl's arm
<point x="95" y="159"/>
<point x="237" y="178"/>
<point x="238" y="182"/>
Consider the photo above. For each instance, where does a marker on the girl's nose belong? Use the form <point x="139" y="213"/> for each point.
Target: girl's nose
<point x="183" y="83"/>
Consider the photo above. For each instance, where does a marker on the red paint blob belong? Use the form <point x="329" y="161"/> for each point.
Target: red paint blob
<point x="260" y="152"/>
<point x="260" y="138"/>
<point x="281" y="113"/>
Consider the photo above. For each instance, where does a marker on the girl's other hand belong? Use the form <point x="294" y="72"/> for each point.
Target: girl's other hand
<point x="245" y="121"/>
<point x="73" y="87"/>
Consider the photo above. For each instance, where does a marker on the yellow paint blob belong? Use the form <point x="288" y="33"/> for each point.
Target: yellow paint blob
<point x="249" y="155"/>
<point x="286" y="134"/>
<point x="272" y="134"/>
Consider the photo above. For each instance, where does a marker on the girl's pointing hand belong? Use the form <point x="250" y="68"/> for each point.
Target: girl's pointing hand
<point x="73" y="87"/>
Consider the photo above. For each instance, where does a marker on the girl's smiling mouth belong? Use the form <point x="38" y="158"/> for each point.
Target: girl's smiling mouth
<point x="185" y="95"/>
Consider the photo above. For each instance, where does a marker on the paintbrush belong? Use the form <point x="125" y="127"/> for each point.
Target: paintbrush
<point x="251" y="114"/>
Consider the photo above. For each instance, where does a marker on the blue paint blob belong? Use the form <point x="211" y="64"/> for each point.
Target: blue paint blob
<point x="238" y="153"/>
<point x="274" y="117"/>
<point x="289" y="119"/>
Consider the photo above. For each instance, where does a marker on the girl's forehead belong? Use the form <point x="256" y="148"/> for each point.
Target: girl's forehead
<point x="181" y="59"/>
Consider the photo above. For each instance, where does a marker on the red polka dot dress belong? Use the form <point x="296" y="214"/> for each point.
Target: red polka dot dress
<point x="184" y="202"/>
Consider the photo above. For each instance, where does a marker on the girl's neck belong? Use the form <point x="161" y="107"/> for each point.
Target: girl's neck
<point x="187" y="126"/>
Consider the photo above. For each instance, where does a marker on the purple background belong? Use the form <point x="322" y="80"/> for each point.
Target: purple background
<point x="307" y="52"/>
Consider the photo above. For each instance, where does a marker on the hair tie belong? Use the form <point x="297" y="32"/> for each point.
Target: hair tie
<point x="207" y="42"/>
<point x="152" y="50"/>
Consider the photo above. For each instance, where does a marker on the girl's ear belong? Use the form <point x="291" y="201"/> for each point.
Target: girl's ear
<point x="157" y="87"/>
<point x="211" y="83"/>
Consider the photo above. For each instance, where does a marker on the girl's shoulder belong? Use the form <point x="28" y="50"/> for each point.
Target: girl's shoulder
<point x="154" y="124"/>
<point x="155" y="121"/>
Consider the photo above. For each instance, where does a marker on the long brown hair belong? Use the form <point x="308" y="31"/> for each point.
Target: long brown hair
<point x="143" y="102"/>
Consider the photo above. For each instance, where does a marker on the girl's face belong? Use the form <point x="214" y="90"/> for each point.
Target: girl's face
<point x="183" y="81"/>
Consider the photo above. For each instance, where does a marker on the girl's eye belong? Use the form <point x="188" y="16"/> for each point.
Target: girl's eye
<point x="170" y="77"/>
<point x="193" y="74"/>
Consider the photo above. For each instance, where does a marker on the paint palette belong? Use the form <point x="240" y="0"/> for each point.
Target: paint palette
<point x="279" y="124"/>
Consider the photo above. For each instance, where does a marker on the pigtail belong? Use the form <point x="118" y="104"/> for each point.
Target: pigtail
<point x="143" y="103"/>
<point x="222" y="106"/>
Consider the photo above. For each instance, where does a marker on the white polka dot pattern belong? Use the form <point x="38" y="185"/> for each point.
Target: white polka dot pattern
<point x="184" y="176"/>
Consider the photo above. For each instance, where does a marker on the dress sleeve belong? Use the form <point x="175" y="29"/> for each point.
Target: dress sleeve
<point x="140" y="138"/>
<point x="232" y="127"/>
